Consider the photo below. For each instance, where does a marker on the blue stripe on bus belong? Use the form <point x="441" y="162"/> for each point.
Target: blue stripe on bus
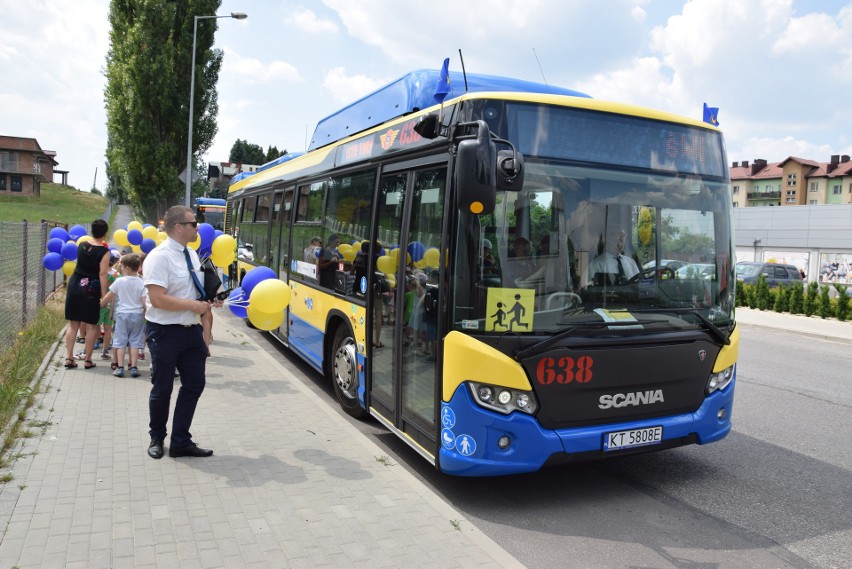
<point x="307" y="341"/>
<point x="531" y="445"/>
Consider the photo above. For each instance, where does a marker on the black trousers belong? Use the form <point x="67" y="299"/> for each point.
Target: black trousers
<point x="175" y="347"/>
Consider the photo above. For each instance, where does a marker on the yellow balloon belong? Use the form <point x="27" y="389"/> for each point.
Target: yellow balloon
<point x="263" y="320"/>
<point x="348" y="254"/>
<point x="68" y="267"/>
<point x="136" y="249"/>
<point x="432" y="257"/>
<point x="270" y="296"/>
<point x="394" y="254"/>
<point x="120" y="237"/>
<point x="150" y="232"/>
<point x="385" y="264"/>
<point x="344" y="247"/>
<point x="134" y="225"/>
<point x="195" y="244"/>
<point x="223" y="246"/>
<point x="161" y="236"/>
<point x="222" y="261"/>
<point x="391" y="280"/>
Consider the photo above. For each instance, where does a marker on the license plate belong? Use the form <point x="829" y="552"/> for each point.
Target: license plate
<point x="633" y="438"/>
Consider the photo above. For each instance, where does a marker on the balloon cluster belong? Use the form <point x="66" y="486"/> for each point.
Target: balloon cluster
<point x="140" y="238"/>
<point x="262" y="299"/>
<point x="416" y="254"/>
<point x="62" y="248"/>
<point x="213" y="243"/>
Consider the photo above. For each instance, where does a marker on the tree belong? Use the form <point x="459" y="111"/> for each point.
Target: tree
<point x="147" y="95"/>
<point x="244" y="152"/>
<point x="272" y="153"/>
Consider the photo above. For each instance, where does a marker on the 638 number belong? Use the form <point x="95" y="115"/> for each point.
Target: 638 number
<point x="564" y="370"/>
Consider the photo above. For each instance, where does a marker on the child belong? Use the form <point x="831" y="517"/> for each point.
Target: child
<point x="129" y="314"/>
<point x="108" y="312"/>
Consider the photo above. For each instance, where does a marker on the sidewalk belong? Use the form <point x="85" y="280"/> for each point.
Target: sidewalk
<point x="826" y="329"/>
<point x="291" y="484"/>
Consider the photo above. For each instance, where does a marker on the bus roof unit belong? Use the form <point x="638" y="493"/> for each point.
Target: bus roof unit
<point x="413" y="92"/>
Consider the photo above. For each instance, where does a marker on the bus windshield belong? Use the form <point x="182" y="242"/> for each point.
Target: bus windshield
<point x="579" y="244"/>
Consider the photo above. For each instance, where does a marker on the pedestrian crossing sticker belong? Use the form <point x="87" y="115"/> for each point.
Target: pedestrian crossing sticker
<point x="509" y="310"/>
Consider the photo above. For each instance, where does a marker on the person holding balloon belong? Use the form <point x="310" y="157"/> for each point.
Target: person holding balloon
<point x="86" y="288"/>
<point x="175" y="303"/>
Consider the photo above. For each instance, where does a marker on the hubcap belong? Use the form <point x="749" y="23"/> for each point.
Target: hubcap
<point x="345" y="373"/>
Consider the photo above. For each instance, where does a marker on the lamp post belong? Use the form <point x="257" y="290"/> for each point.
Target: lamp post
<point x="235" y="15"/>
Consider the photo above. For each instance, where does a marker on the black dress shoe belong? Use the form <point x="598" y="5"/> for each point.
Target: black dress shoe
<point x="155" y="449"/>
<point x="191" y="450"/>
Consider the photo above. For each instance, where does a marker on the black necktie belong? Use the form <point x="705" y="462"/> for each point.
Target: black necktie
<point x="620" y="266"/>
<point x="195" y="280"/>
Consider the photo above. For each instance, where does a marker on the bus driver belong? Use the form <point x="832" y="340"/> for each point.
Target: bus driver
<point x="612" y="265"/>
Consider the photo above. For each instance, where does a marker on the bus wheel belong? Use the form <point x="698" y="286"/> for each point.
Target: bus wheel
<point x="344" y="372"/>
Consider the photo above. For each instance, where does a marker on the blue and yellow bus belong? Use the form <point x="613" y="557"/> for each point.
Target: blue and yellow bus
<point x="516" y="277"/>
<point x="212" y="211"/>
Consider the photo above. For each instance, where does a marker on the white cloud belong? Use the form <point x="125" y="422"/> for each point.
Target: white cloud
<point x="347" y="88"/>
<point x="255" y="71"/>
<point x="308" y="21"/>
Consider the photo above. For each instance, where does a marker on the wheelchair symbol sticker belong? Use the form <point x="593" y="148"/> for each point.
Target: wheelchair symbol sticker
<point x="448" y="418"/>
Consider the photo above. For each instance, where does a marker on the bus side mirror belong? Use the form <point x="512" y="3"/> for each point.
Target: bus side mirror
<point x="476" y="175"/>
<point x="510" y="170"/>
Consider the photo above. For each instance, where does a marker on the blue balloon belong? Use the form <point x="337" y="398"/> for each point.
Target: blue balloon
<point x="77" y="231"/>
<point x="147" y="245"/>
<point x="69" y="251"/>
<point x="207" y="235"/>
<point x="134" y="237"/>
<point x="416" y="250"/>
<point x="52" y="261"/>
<point x="238" y="295"/>
<point x="59" y="233"/>
<point x="217" y="233"/>
<point x="54" y="245"/>
<point x="254" y="276"/>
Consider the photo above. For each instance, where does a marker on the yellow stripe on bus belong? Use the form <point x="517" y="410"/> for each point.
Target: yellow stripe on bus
<point x="313" y="306"/>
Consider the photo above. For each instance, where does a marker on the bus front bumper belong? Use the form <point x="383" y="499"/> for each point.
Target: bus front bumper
<point x="480" y="442"/>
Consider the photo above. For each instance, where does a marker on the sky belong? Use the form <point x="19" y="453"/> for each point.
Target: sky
<point x="780" y="71"/>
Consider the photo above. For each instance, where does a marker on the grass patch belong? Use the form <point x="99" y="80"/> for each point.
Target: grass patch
<point x="56" y="202"/>
<point x="19" y="364"/>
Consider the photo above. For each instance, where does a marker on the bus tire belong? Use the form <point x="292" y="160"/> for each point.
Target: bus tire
<point x="343" y="369"/>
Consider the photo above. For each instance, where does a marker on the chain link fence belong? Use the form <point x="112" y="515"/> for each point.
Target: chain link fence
<point x="25" y="284"/>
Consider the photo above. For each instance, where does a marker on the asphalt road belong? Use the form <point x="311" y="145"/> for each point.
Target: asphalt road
<point x="775" y="493"/>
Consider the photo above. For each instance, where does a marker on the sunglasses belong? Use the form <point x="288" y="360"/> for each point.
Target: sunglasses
<point x="192" y="223"/>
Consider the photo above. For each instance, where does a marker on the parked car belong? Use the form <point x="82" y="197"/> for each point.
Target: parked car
<point x="776" y="273"/>
<point x="696" y="271"/>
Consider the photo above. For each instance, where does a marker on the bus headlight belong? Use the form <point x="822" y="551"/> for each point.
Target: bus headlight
<point x="503" y="399"/>
<point x="720" y="380"/>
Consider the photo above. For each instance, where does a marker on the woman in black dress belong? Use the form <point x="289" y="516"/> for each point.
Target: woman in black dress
<point x="84" y="293"/>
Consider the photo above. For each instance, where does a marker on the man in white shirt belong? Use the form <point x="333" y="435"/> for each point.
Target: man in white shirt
<point x="175" y="303"/>
<point x="618" y="267"/>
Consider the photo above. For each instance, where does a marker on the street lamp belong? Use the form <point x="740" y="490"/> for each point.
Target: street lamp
<point x="237" y="16"/>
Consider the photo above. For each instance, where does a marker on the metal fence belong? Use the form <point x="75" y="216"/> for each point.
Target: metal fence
<point x="24" y="282"/>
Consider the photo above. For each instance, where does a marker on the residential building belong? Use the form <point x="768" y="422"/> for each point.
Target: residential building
<point x="24" y="166"/>
<point x="793" y="181"/>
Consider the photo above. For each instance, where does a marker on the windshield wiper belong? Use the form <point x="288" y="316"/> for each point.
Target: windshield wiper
<point x="539" y="347"/>
<point x="714" y="330"/>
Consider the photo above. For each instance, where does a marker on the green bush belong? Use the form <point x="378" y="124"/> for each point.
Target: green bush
<point x="764" y="298"/>
<point x="782" y="299"/>
<point x="842" y="303"/>
<point x="824" y="309"/>
<point x="797" y="298"/>
<point x="809" y="304"/>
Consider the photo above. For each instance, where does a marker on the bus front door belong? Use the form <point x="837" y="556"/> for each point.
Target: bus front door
<point x="405" y="352"/>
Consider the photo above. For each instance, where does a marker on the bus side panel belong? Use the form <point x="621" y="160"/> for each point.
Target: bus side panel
<point x="309" y="312"/>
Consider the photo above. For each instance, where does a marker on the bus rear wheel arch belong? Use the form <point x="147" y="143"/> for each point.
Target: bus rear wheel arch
<point x="343" y="371"/>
